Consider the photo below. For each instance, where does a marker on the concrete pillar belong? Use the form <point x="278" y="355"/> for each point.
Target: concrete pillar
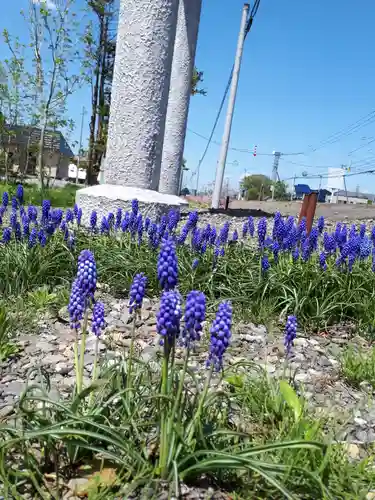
<point x="179" y="95"/>
<point x="142" y="71"/>
<point x="144" y="51"/>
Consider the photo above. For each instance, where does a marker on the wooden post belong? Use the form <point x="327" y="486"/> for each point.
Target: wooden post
<point x="311" y="208"/>
<point x="227" y="203"/>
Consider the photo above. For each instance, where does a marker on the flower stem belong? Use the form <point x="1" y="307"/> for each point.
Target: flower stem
<point x="163" y="441"/>
<point x="94" y="375"/>
<point x="130" y="360"/>
<point x="82" y="355"/>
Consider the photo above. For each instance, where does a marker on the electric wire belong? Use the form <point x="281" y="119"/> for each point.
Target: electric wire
<point x="249" y="24"/>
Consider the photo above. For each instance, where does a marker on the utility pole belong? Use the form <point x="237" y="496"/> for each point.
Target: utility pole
<point x="275" y="168"/>
<point x="229" y="118"/>
<point x="80" y="144"/>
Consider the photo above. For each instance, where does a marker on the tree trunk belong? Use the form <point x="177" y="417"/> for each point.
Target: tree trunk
<point x="40" y="158"/>
<point x="101" y="98"/>
<point x="94" y="111"/>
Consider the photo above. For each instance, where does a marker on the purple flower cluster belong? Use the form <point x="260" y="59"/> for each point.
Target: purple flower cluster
<point x="169" y="316"/>
<point x="290" y="333"/>
<point x="195" y="314"/>
<point x="220" y="335"/>
<point x="98" y="321"/>
<point x="167" y="268"/>
<point x="137" y="292"/>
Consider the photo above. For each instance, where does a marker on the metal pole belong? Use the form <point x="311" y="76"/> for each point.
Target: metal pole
<point x="229" y="118"/>
<point x="80" y="144"/>
<point x="346" y="191"/>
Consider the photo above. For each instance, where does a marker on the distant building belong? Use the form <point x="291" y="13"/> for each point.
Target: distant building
<point x="351" y="197"/>
<point x="21" y="143"/>
<point x="303" y="189"/>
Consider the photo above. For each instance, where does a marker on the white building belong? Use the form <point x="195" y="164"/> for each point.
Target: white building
<point x="351" y="197"/>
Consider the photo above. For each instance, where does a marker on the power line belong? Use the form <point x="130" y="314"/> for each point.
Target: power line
<point x="346" y="131"/>
<point x="249" y="24"/>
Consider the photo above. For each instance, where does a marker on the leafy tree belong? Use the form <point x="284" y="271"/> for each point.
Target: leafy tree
<point x="51" y="80"/>
<point x="256" y="186"/>
<point x="280" y="190"/>
<point x="196" y="80"/>
<point x="100" y="47"/>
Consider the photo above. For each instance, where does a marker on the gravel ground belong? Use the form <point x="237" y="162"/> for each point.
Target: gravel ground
<point x="315" y="360"/>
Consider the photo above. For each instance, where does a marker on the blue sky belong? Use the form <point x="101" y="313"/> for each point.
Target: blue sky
<point x="307" y="73"/>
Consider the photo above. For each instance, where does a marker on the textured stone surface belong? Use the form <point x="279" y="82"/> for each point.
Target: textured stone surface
<point x="144" y="50"/>
<point x="106" y="198"/>
<point x="179" y="95"/>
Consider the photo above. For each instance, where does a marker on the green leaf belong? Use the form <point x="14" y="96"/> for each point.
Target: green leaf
<point x="291" y="399"/>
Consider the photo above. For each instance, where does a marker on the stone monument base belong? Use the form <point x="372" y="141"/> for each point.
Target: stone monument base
<point x="105" y="198"/>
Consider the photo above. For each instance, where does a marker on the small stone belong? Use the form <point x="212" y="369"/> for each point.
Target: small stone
<point x="52" y="359"/>
<point x="78" y="484"/>
<point x="353" y="451"/>
<point x="302" y="377"/>
<point x="360" y="421"/>
<point x="64" y="368"/>
<point x="45" y="347"/>
<point x="5" y="411"/>
<point x="14" y="389"/>
<point x="370" y="495"/>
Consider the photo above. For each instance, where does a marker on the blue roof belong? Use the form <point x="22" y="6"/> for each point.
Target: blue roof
<point x="302" y="188"/>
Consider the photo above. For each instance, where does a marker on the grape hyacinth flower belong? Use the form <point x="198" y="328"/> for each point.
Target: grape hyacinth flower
<point x="46" y="206"/>
<point x="275" y="250"/>
<point x="7" y="234"/>
<point x="373" y="235"/>
<point x="224" y="233"/>
<point x="265" y="264"/>
<point x="173" y="218"/>
<point x="329" y="243"/>
<point x="220" y="336"/>
<point x="364" y="248"/>
<point x="76" y="306"/>
<point x="213" y="236"/>
<point x="118" y="219"/>
<point x="322" y="261"/>
<point x="69" y="216"/>
<point x="262" y="230"/>
<point x="19" y="194"/>
<point x="79" y="216"/>
<point x="195" y="314"/>
<point x="71" y="241"/>
<point x="295" y="254"/>
<point x="86" y="275"/>
<point x="13" y="219"/>
<point x="14" y="204"/>
<point x="251" y="226"/>
<point x="110" y="219"/>
<point x="362" y="230"/>
<point x="104" y="226"/>
<point x="192" y="220"/>
<point x="167" y="267"/>
<point x="290" y="333"/>
<point x="32" y="213"/>
<point x="373" y="260"/>
<point x="33" y="237"/>
<point x="245" y="229"/>
<point x="147" y="223"/>
<point x="75" y="210"/>
<point x="321" y="224"/>
<point x="302" y="227"/>
<point x="135" y="206"/>
<point x="98" y="322"/>
<point x="168" y="318"/>
<point x="18" y="232"/>
<point x="195" y="264"/>
<point x="5" y="199"/>
<point x="235" y="235"/>
<point x="93" y="221"/>
<point x="137" y="292"/>
<point x="42" y="238"/>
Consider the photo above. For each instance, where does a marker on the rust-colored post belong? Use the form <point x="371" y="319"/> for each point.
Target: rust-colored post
<point x="303" y="212"/>
<point x="308" y="210"/>
<point x="311" y="207"/>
